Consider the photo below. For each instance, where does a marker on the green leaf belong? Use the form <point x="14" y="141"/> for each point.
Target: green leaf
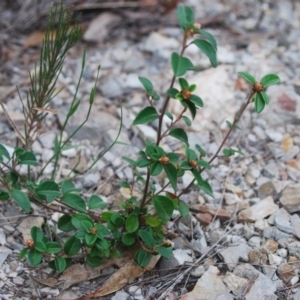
<point x="85" y="225"/>
<point x="72" y="246"/>
<point x="172" y="92"/>
<point x="205" y="187"/>
<point x="64" y="223"/>
<point x="124" y="184"/>
<point x="142" y="162"/>
<point x="191" y="106"/>
<point x="183" y="209"/>
<point x="265" y="97"/>
<point x="180" y="65"/>
<point x="101" y="230"/>
<point x="4" y="152"/>
<point x="156" y="168"/>
<point x="92" y="95"/>
<point x="248" y="77"/>
<point x="196" y="100"/>
<point x="192" y="88"/>
<point x="67" y="186"/>
<point x="107" y="215"/>
<point x="73" y="108"/>
<point x="209" y="37"/>
<point x="228" y="152"/>
<point x="190" y="154"/>
<point x="75" y="201"/>
<point x="164" y="207"/>
<point x="52" y="248"/>
<point x="171" y="172"/>
<point x="147" y="238"/>
<point x="117" y="220"/>
<point x="173" y="157"/>
<point x="27" y="158"/>
<point x="169" y="115"/>
<point x="96" y="202"/>
<point x="270" y="79"/>
<point x="130" y="161"/>
<point x="128" y="239"/>
<point x="49" y="189"/>
<point x="146" y="115"/>
<point x="142" y="258"/>
<point x="208" y="50"/>
<point x="153" y="222"/>
<point x="183" y="84"/>
<point x="21" y="199"/>
<point x="94" y="261"/>
<point x="180" y="134"/>
<point x="23" y="253"/>
<point x="34" y="257"/>
<point x="164" y="251"/>
<point x="185" y="17"/>
<point x="146" y="83"/>
<point x="203" y="163"/>
<point x="132" y="223"/>
<point x="36" y="234"/>
<point x="60" y="264"/>
<point x="4" y="195"/>
<point x="201" y="150"/>
<point x="40" y="246"/>
<point x="187" y="120"/>
<point x="90" y="239"/>
<point x="259" y="103"/>
<point x="228" y="124"/>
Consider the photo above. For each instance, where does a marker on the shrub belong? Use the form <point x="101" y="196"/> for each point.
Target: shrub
<point x="135" y="224"/>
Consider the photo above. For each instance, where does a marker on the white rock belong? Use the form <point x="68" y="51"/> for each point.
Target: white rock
<point x="47" y="139"/>
<point x="183" y="256"/>
<point x="147" y="132"/>
<point x="69" y="152"/>
<point x="274" y="135"/>
<point x="282" y="220"/>
<point x="282" y="252"/>
<point x="91" y="180"/>
<point x="198" y="271"/>
<point x="260" y="210"/>
<point x="234" y="283"/>
<point x="274" y="259"/>
<point x="294" y="280"/>
<point x="209" y="286"/>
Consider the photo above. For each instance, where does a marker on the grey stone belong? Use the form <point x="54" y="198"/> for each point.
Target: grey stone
<point x="263" y="287"/>
<point x="294" y="249"/>
<point x="260" y="210"/>
<point x="91" y="180"/>
<point x="255" y="242"/>
<point x="198" y="271"/>
<point x="266" y="189"/>
<point x="271" y="169"/>
<point x="100" y="27"/>
<point x="234" y="253"/>
<point x="290" y="198"/>
<point x="275" y="234"/>
<point x="120" y="295"/>
<point x="209" y="286"/>
<point x="274" y="135"/>
<point x="282" y="221"/>
<point x="295" y="222"/>
<point x="234" y="283"/>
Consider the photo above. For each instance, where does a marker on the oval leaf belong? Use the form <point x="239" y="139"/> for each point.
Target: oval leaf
<point x="164" y="207"/>
<point x="270" y="79"/>
<point x="180" y="134"/>
<point x="209" y="37"/>
<point x="185" y="17"/>
<point x="72" y="246"/>
<point x="74" y="201"/>
<point x="34" y="257"/>
<point x="148" y="114"/>
<point x="208" y="50"/>
<point x="248" y="77"/>
<point x="180" y="64"/>
<point x="146" y="83"/>
<point x="259" y="103"/>
<point x="21" y="199"/>
<point x="132" y="223"/>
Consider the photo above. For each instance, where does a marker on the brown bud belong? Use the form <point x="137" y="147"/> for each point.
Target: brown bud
<point x="257" y="87"/>
<point x="193" y="163"/>
<point x="164" y="160"/>
<point x="29" y="243"/>
<point x="93" y="230"/>
<point x="186" y="94"/>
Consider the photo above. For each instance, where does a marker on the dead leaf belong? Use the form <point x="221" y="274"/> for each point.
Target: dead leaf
<point x="51" y="281"/>
<point x="287" y="143"/>
<point x="36" y="38"/>
<point x="119" y="279"/>
<point x="79" y="272"/>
